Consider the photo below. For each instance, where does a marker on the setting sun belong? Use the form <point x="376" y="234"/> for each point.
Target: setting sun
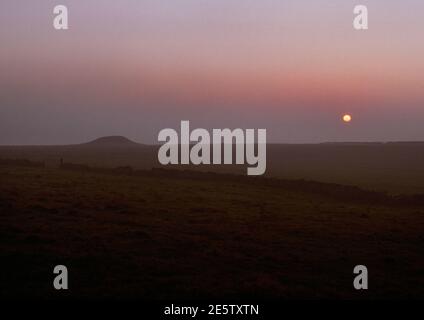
<point x="347" y="118"/>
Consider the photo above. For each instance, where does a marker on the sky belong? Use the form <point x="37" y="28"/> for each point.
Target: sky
<point x="135" y="67"/>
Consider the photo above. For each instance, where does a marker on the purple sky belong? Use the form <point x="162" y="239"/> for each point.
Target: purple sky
<point x="134" y="67"/>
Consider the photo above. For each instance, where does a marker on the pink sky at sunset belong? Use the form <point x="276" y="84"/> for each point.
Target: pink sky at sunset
<point x="135" y="67"/>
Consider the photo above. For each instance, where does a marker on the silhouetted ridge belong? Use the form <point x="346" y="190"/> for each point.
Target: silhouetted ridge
<point x="112" y="141"/>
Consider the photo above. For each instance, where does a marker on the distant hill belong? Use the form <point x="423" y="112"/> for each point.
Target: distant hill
<point x="112" y="141"/>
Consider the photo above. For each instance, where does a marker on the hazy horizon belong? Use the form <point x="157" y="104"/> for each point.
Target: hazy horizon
<point x="159" y="143"/>
<point x="135" y="67"/>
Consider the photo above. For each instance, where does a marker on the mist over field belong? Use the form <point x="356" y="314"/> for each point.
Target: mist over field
<point x="395" y="167"/>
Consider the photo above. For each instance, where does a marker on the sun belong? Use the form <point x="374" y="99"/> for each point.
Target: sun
<point x="347" y="118"/>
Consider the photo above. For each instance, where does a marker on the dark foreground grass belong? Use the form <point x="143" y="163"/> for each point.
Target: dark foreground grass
<point x="171" y="236"/>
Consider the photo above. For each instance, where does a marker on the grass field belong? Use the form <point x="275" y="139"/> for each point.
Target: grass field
<point x="176" y="235"/>
<point x="393" y="167"/>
